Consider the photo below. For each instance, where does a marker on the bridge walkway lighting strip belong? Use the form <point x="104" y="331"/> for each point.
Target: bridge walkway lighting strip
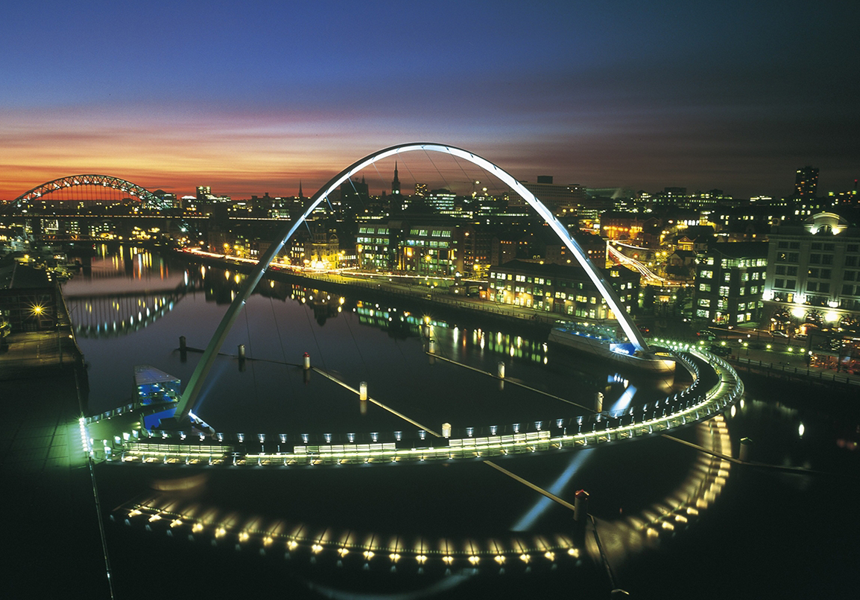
<point x="706" y="478"/>
<point x="190" y="395"/>
<point x="728" y="389"/>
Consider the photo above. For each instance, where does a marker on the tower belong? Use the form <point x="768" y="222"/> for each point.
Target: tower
<point x="395" y="184"/>
<point x="806" y="182"/>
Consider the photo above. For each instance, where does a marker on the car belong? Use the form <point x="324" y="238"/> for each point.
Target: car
<point x="720" y="350"/>
<point x="779" y="334"/>
<point x="706" y="334"/>
<point x="801" y="337"/>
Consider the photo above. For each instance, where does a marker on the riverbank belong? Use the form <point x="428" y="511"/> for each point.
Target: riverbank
<point x="46" y="475"/>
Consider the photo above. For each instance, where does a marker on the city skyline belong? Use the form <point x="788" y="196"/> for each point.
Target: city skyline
<point x="730" y="97"/>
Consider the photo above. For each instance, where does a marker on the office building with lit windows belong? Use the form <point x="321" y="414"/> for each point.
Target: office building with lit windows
<point x="561" y="289"/>
<point x="806" y="182"/>
<point x="730" y="283"/>
<point x="814" y="270"/>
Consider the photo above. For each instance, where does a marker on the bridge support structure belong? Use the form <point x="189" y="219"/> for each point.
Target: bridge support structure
<point x="190" y="396"/>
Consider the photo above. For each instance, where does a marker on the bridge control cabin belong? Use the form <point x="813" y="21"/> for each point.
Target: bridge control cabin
<point x="155" y="390"/>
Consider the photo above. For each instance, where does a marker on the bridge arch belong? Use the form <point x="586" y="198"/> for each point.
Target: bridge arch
<point x="195" y="385"/>
<point x="106" y="181"/>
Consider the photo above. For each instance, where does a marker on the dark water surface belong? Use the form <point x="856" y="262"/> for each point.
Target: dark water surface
<point x="763" y="533"/>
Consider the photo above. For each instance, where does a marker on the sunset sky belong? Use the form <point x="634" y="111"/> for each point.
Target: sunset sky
<point x="254" y="97"/>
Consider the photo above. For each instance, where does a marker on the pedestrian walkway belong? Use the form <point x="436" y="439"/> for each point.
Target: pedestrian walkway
<point x="26" y="352"/>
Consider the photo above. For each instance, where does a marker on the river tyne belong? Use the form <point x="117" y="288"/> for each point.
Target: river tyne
<point x="748" y="532"/>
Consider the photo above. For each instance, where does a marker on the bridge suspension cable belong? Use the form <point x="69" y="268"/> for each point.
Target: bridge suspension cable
<point x="195" y="385"/>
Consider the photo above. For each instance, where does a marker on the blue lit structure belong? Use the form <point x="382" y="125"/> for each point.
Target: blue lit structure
<point x="155" y="389"/>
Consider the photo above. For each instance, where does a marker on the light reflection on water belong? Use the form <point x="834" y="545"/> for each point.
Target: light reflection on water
<point x="365" y="342"/>
<point x="375" y="346"/>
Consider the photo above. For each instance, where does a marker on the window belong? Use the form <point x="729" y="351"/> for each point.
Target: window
<point x="783" y="245"/>
<point x="790" y="283"/>
<point x="780" y="283"/>
<point x="853" y="247"/>
<point x="706" y="274"/>
<point x="814" y="259"/>
<point x="724" y="290"/>
<point x="812" y="273"/>
<point x="791" y="272"/>
<point x="824" y="287"/>
<point x="829" y="247"/>
<point x="706" y="302"/>
<point x="793" y="257"/>
<point x="825" y="273"/>
<point x="755" y="276"/>
<point x="847" y="289"/>
<point x="702" y="313"/>
<point x="811" y="286"/>
<point x="816" y="246"/>
<point x="742" y="306"/>
<point x="704" y="287"/>
<point x="780" y="270"/>
<point x="727" y="277"/>
<point x="850" y="261"/>
<point x="794" y="245"/>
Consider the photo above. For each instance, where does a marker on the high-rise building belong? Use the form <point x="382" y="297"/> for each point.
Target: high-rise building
<point x="560" y="199"/>
<point x="806" y="182"/>
<point x="730" y="283"/>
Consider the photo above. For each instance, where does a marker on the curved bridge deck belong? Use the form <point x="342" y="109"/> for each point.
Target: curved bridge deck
<point x="221" y="449"/>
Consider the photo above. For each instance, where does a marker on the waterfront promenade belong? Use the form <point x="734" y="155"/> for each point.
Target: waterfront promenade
<point x="45" y="472"/>
<point x="774" y="362"/>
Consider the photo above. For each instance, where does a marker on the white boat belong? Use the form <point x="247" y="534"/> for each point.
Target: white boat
<point x="598" y="340"/>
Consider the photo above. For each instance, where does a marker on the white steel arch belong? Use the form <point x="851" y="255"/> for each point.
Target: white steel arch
<point x="195" y="385"/>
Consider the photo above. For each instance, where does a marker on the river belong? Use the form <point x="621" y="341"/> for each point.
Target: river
<point x="756" y="532"/>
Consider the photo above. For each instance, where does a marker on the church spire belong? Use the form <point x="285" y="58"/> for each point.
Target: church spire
<point x="300" y="189"/>
<point x="395" y="184"/>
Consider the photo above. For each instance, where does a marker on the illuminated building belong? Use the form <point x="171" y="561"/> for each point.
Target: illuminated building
<point x="730" y="282"/>
<point x="373" y="247"/>
<point x="814" y="269"/>
<point x="560" y="289"/>
<point x="437" y="248"/>
<point x="806" y="182"/>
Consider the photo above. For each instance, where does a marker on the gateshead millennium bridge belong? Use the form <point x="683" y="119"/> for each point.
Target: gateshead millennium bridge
<point x="129" y="434"/>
